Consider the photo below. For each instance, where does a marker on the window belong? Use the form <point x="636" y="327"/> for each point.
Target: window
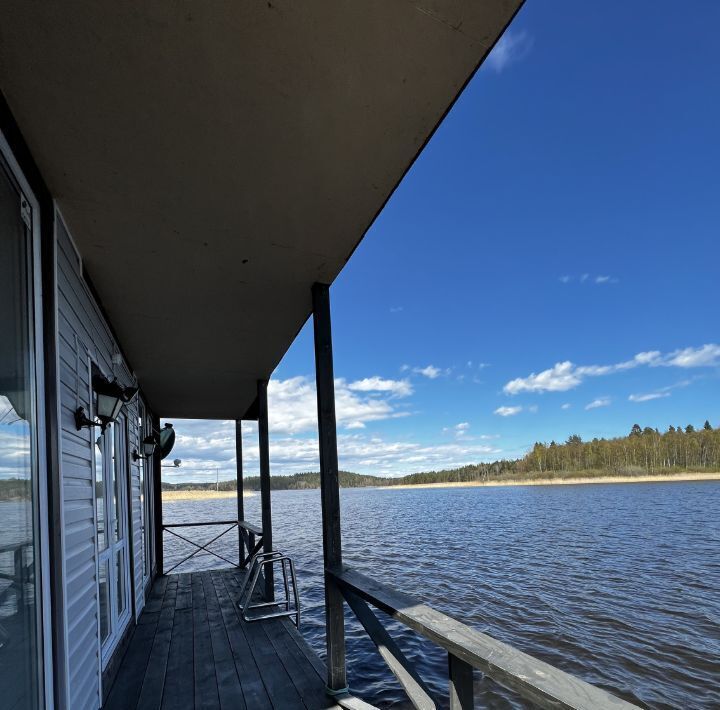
<point x="21" y="647"/>
<point x="111" y="478"/>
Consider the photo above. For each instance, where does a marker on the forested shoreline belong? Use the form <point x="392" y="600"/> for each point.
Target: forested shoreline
<point x="642" y="452"/>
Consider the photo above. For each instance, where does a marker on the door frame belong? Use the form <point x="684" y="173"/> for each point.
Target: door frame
<point x="118" y="462"/>
<point x="39" y="440"/>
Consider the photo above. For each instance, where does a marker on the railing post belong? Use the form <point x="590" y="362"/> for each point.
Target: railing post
<point x="461" y="684"/>
<point x="329" y="485"/>
<point x="264" y="442"/>
<point x="157" y="501"/>
<point x="240" y="501"/>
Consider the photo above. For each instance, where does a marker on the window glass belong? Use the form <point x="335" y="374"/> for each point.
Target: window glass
<point x="100" y="493"/>
<point x="20" y="647"/>
<point x="104" y="593"/>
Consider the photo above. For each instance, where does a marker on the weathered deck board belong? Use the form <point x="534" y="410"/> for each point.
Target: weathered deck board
<point x="191" y="650"/>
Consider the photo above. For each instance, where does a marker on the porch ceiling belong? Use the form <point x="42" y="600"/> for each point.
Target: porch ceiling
<point x="214" y="159"/>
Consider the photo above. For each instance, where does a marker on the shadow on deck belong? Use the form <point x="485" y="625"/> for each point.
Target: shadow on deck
<point x="191" y="649"/>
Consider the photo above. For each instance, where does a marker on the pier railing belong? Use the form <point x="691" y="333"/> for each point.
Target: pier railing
<point x="250" y="540"/>
<point x="534" y="680"/>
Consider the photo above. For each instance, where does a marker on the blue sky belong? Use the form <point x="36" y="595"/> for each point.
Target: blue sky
<point x="548" y="266"/>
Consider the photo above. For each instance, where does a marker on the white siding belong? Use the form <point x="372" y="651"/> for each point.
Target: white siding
<point x="83" y="334"/>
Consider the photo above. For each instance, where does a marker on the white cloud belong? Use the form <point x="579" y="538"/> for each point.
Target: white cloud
<point x="705" y="356"/>
<point x="400" y="388"/>
<point x="567" y="405"/>
<point x="462" y="426"/>
<point x="396" y="309"/>
<point x="508" y="411"/>
<point x="647" y="397"/>
<point x="430" y="371"/>
<point x="511" y="48"/>
<point x="564" y="376"/>
<point x="583" y="278"/>
<point x="600" y="402"/>
<point x="208" y="448"/>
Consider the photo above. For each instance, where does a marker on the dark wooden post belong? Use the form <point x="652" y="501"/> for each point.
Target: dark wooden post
<point x="240" y="501"/>
<point x="264" y="442"/>
<point x="329" y="486"/>
<point x="157" y="501"/>
<point x="461" y="684"/>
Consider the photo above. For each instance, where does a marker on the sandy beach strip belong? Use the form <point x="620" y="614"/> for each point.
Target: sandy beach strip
<point x="203" y="495"/>
<point x="670" y="477"/>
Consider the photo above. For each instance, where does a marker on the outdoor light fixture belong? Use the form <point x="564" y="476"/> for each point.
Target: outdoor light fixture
<point x="149" y="443"/>
<point x="110" y="397"/>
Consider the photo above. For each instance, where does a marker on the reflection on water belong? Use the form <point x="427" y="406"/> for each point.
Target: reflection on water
<point x="617" y="584"/>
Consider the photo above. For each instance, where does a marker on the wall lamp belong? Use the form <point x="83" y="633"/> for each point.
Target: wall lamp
<point x="149" y="444"/>
<point x="111" y="396"/>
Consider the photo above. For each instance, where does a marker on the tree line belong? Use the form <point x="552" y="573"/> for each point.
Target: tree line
<point x="642" y="451"/>
<point x="647" y="450"/>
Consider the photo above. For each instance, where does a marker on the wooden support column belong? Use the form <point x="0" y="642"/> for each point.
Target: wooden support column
<point x="240" y="501"/>
<point x="329" y="487"/>
<point x="461" y="684"/>
<point x="265" y="505"/>
<point x="157" y="501"/>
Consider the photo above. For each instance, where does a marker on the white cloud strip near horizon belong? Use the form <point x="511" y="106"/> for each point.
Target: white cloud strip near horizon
<point x="207" y="449"/>
<point x="564" y="376"/>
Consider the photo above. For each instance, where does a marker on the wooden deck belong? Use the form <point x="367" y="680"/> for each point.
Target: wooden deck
<point x="191" y="650"/>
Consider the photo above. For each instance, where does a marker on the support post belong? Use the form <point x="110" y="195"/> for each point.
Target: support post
<point x="265" y="505"/>
<point x="461" y="684"/>
<point x="240" y="501"/>
<point x="157" y="501"/>
<point x="329" y="487"/>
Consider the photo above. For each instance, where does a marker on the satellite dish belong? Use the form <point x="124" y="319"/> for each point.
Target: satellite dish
<point x="167" y="440"/>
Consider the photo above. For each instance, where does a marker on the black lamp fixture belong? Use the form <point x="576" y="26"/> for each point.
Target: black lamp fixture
<point x="110" y="398"/>
<point x="149" y="443"/>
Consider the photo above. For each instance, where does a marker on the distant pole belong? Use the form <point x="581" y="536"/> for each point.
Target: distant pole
<point x="240" y="501"/>
<point x="329" y="486"/>
<point x="264" y="445"/>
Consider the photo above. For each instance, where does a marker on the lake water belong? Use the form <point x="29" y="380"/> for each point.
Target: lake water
<point x="617" y="584"/>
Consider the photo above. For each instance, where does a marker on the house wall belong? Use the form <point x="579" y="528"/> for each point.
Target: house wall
<point x="84" y="335"/>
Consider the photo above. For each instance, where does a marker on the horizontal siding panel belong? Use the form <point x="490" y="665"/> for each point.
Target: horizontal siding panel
<point x="74" y="467"/>
<point x="76" y="561"/>
<point x="77" y="489"/>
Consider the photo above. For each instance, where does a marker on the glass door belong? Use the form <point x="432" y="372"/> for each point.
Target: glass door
<point x="21" y="613"/>
<point x="111" y="477"/>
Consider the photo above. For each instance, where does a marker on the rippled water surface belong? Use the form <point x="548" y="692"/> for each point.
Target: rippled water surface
<point x="617" y="584"/>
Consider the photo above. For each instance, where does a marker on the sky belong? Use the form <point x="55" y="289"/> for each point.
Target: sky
<point x="547" y="267"/>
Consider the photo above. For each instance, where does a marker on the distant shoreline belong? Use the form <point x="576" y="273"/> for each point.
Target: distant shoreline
<point x="203" y="495"/>
<point x="569" y="481"/>
<point x="659" y="478"/>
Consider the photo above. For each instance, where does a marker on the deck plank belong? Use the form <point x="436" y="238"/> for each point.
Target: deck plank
<point x="206" y="690"/>
<point x="228" y="682"/>
<point x="178" y="682"/>
<point x="191" y="650"/>
<point x="128" y="682"/>
<point x="282" y="692"/>
<point x="154" y="681"/>
<point x="251" y="682"/>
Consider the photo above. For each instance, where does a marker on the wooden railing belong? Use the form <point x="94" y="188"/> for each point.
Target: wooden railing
<point x="467" y="649"/>
<point x="200" y="548"/>
<point x="251" y="538"/>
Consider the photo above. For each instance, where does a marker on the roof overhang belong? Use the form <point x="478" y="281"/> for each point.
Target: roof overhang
<point x="213" y="160"/>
